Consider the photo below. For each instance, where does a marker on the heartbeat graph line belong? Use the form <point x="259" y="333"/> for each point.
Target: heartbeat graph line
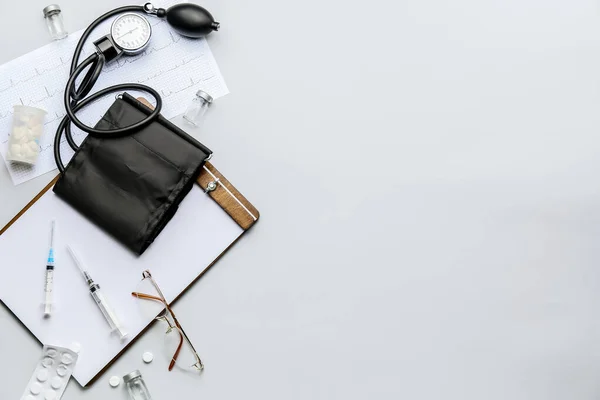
<point x="165" y="71"/>
<point x="122" y="62"/>
<point x="50" y="146"/>
<point x="37" y="72"/>
<point x="49" y="94"/>
<point x="57" y="117"/>
<point x="64" y="63"/>
<point x="168" y="93"/>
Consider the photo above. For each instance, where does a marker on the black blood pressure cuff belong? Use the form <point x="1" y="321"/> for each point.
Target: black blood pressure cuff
<point x="132" y="186"/>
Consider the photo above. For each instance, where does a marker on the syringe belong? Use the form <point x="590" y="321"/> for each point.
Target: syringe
<point x="99" y="298"/>
<point x="49" y="284"/>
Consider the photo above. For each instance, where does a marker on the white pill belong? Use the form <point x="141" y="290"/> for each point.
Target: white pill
<point x="34" y="124"/>
<point x="56" y="382"/>
<point x="42" y="375"/>
<point x="66" y="358"/>
<point x="114" y="381"/>
<point x="76" y="347"/>
<point x="49" y="395"/>
<point x="15" y="148"/>
<point x="36" y="388"/>
<point x="148" y="357"/>
<point x="19" y="133"/>
<point x="47" y="362"/>
<point x="29" y="397"/>
<point x="62" y="370"/>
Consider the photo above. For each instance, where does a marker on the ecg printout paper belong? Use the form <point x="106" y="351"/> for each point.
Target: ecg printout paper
<point x="176" y="66"/>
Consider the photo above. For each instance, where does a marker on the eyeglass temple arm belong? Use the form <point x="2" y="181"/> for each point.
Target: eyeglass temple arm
<point x="187" y="339"/>
<point x="176" y="355"/>
<point x="146" y="296"/>
<point x="182" y="333"/>
<point x="189" y="342"/>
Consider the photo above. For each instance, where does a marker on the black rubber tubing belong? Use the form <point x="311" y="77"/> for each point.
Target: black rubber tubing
<point x="75" y="98"/>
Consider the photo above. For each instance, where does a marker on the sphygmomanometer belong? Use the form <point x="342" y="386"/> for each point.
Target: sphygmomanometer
<point x="133" y="169"/>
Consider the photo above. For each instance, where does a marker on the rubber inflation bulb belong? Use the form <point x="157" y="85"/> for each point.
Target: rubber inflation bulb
<point x="191" y="20"/>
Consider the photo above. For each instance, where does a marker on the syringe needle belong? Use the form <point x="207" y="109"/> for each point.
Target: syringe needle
<point x="78" y="262"/>
<point x="99" y="298"/>
<point x="52" y="227"/>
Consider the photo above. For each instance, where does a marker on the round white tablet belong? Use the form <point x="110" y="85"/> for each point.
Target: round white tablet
<point x="66" y="358"/>
<point x="42" y="375"/>
<point x="47" y="362"/>
<point x="148" y="357"/>
<point x="56" y="382"/>
<point x="62" y="370"/>
<point x="49" y="395"/>
<point x="114" y="381"/>
<point x="36" y="388"/>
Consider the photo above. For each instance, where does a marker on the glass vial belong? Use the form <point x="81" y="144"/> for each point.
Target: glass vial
<point x="54" y="20"/>
<point x="136" y="386"/>
<point x="197" y="109"/>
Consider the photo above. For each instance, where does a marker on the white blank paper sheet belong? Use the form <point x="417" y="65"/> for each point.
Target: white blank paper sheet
<point x="198" y="233"/>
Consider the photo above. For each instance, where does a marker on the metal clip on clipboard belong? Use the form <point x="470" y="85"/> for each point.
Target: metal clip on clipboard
<point x="223" y="192"/>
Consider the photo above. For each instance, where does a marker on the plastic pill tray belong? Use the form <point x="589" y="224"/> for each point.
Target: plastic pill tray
<point x="51" y="375"/>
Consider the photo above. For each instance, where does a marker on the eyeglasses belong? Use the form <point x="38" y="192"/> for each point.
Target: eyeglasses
<point x="178" y="347"/>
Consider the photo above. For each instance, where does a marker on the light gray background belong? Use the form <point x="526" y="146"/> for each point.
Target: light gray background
<point x="428" y="176"/>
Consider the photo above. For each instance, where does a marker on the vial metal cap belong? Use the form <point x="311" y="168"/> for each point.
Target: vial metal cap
<point x="51" y="9"/>
<point x="131" y="376"/>
<point x="202" y="94"/>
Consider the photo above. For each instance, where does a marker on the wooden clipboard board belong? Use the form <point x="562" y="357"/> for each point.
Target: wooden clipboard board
<point x="217" y="187"/>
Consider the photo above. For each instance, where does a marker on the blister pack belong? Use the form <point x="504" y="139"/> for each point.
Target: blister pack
<point x="51" y="375"/>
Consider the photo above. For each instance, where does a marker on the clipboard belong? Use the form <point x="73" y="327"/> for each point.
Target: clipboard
<point x="210" y="184"/>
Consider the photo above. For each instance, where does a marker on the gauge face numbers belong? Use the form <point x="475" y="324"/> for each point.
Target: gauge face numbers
<point x="131" y="32"/>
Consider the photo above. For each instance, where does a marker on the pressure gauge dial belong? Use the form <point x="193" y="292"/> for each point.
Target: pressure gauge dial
<point x="131" y="32"/>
